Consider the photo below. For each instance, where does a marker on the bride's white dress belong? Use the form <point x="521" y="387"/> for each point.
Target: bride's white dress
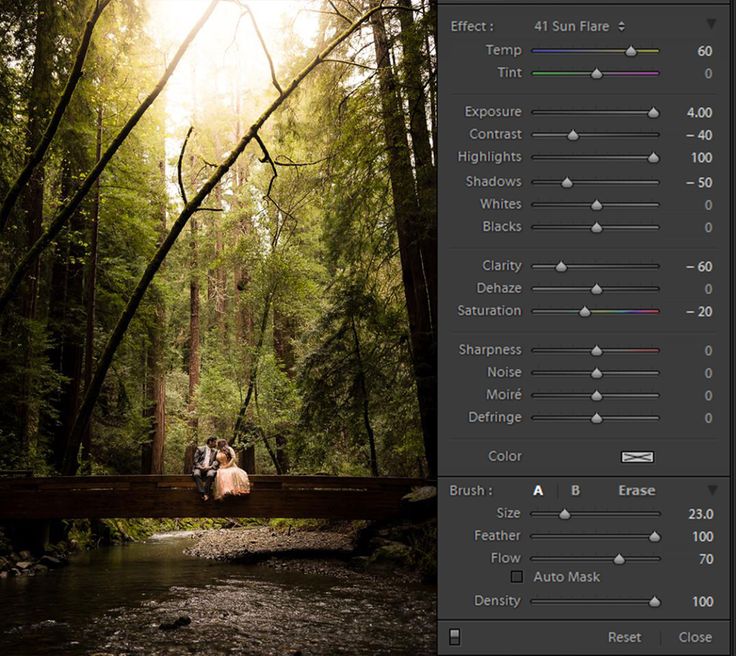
<point x="230" y="479"/>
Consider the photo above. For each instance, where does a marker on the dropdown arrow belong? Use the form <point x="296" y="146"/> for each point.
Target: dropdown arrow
<point x="711" y="22"/>
<point x="712" y="489"/>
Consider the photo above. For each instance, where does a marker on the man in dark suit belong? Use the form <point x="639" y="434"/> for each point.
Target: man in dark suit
<point x="205" y="466"/>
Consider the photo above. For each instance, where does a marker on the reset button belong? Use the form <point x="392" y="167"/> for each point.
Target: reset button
<point x="616" y="638"/>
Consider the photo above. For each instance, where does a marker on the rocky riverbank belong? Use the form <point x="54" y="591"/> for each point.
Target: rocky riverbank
<point x="404" y="549"/>
<point x="254" y="544"/>
<point x="24" y="563"/>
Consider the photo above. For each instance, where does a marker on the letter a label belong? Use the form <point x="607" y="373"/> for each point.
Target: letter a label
<point x="538" y="491"/>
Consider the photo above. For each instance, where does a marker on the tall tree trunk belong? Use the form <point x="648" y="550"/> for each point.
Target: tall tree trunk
<point x="414" y="250"/>
<point x="283" y="341"/>
<point x="194" y="331"/>
<point x="156" y="387"/>
<point x="429" y="17"/>
<point x="90" y="296"/>
<point x="220" y="272"/>
<point x="66" y="316"/>
<point x="363" y="386"/>
<point x="283" y="348"/>
<point x="426" y="173"/>
<point x="216" y="275"/>
<point x="39" y="106"/>
<point x="252" y="379"/>
<point x="156" y="361"/>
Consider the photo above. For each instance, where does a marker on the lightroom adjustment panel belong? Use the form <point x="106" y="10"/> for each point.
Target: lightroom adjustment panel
<point x="585" y="344"/>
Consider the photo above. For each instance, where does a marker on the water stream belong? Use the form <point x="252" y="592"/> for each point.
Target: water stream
<point x="111" y="602"/>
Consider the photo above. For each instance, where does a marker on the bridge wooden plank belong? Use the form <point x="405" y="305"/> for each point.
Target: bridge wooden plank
<point x="125" y="482"/>
<point x="348" y="504"/>
<point x="175" y="496"/>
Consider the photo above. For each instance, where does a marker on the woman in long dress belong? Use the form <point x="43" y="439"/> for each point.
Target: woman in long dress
<point x="231" y="480"/>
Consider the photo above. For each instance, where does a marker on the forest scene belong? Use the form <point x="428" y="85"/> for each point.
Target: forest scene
<point x="218" y="289"/>
<point x="218" y="218"/>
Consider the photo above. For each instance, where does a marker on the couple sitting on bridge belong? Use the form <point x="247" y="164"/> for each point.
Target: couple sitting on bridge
<point x="215" y="462"/>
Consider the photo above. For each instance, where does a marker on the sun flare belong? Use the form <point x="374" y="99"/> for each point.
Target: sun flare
<point x="226" y="65"/>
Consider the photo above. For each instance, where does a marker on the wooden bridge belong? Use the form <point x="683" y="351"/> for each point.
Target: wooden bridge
<point x="70" y="497"/>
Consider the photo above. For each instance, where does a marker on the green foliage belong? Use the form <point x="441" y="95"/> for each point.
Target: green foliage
<point x="300" y="293"/>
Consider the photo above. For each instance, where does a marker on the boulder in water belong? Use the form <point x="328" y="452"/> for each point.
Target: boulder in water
<point x="52" y="562"/>
<point x="174" y="623"/>
<point x="391" y="553"/>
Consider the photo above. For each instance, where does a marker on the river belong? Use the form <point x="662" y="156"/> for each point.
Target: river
<point x="111" y="601"/>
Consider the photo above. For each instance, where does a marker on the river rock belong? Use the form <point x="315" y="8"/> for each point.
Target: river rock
<point x="23" y="564"/>
<point x="38" y="568"/>
<point x="52" y="562"/>
<point x="174" y="623"/>
<point x="391" y="552"/>
<point x="25" y="555"/>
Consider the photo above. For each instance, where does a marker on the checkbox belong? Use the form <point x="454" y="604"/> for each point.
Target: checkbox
<point x="454" y="637"/>
<point x="517" y="576"/>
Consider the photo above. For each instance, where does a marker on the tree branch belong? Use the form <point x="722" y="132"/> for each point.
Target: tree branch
<point x="291" y="162"/>
<point x="338" y="12"/>
<point x="352" y="63"/>
<point x="265" y="51"/>
<point x="267" y="158"/>
<point x="181" y="178"/>
<point x="40" y="150"/>
<point x="63" y="215"/>
<point x="183" y="191"/>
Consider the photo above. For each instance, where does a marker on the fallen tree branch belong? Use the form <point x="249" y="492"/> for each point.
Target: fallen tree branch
<point x="85" y="411"/>
<point x="40" y="150"/>
<point x="63" y="215"/>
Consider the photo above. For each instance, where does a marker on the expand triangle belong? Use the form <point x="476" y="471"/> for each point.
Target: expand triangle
<point x="712" y="489"/>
